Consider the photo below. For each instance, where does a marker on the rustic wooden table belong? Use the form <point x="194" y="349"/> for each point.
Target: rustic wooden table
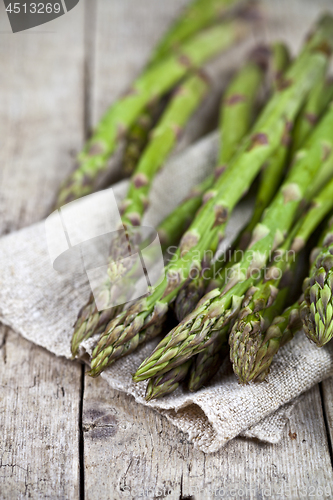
<point x="65" y="435"/>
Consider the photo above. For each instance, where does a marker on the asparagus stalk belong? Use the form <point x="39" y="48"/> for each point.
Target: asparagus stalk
<point x="280" y="60"/>
<point x="138" y="137"/>
<point x="316" y="309"/>
<point x="317" y="102"/>
<point x="240" y="101"/>
<point x="324" y="175"/>
<point x="236" y="116"/>
<point x="193" y="334"/>
<point x="90" y="320"/>
<point x="272" y="173"/>
<point x="252" y="347"/>
<point x="259" y="307"/>
<point x="151" y="85"/>
<point x="273" y="169"/>
<point x="196" y="16"/>
<point x="164" y="137"/>
<point x="255" y="149"/>
<point x="167" y="383"/>
<point x="238" y="104"/>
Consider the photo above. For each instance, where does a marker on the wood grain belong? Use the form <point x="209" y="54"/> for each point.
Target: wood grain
<point x="327" y="399"/>
<point x="39" y="420"/>
<point x="41" y="125"/>
<point x="125" y="34"/>
<point x="129" y="449"/>
<point x="41" y="119"/>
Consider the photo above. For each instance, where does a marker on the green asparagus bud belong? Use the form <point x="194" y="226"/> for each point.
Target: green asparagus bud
<point x="316" y="308"/>
<point x="281" y="331"/>
<point x="167" y="383"/>
<point x="206" y="364"/>
<point x="248" y="335"/>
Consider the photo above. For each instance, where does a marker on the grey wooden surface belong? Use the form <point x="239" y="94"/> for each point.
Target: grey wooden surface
<point x="65" y="435"/>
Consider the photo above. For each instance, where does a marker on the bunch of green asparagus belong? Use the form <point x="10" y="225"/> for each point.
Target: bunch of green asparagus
<point x="276" y="141"/>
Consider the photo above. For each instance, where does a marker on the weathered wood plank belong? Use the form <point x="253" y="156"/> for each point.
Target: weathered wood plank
<point x="39" y="420"/>
<point x="41" y="118"/>
<point x="41" y="124"/>
<point x="327" y="397"/>
<point x="129" y="449"/>
<point x="117" y="59"/>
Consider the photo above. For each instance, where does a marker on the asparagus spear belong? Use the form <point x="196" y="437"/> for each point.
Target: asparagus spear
<point x="207" y="363"/>
<point x="279" y="60"/>
<point x="238" y="104"/>
<point x="167" y="383"/>
<point x="164" y="137"/>
<point x="316" y="308"/>
<point x="236" y="116"/>
<point x="254" y="362"/>
<point x="172" y="228"/>
<point x="90" y="320"/>
<point x="195" y="332"/>
<point x="270" y="180"/>
<point x="151" y="85"/>
<point x="138" y="137"/>
<point x="230" y="186"/>
<point x="317" y="102"/>
<point x="187" y="98"/>
<point x="210" y="359"/>
<point x="248" y="333"/>
<point x="196" y="16"/>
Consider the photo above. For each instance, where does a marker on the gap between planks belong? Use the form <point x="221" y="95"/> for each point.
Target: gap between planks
<point x="90" y="10"/>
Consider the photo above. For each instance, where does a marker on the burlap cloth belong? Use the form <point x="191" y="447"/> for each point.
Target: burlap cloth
<point x="42" y="306"/>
